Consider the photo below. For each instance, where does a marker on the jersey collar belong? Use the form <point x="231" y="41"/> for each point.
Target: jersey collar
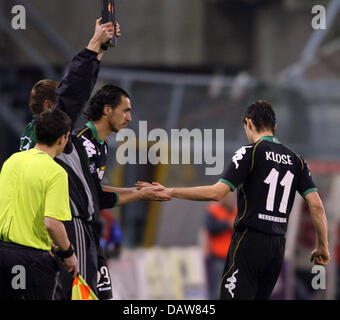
<point x="93" y="129"/>
<point x="270" y="139"/>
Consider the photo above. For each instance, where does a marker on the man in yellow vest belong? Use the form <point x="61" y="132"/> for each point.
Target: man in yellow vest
<point x="219" y="225"/>
<point x="34" y="200"/>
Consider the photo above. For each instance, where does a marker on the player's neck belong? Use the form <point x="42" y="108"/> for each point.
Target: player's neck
<point x="103" y="131"/>
<point x="51" y="151"/>
<point x="258" y="135"/>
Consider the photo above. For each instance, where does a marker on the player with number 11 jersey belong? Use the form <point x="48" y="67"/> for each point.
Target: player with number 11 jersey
<point x="269" y="174"/>
<point x="266" y="175"/>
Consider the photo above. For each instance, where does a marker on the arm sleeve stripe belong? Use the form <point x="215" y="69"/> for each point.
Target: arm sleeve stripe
<point x="117" y="199"/>
<point x="308" y="191"/>
<point x="228" y="183"/>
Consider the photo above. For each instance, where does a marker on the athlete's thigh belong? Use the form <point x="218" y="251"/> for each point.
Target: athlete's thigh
<point x="86" y="253"/>
<point x="104" y="284"/>
<point x="89" y="252"/>
<point x="266" y="285"/>
<point x="269" y="278"/>
<point x="239" y="280"/>
<point x="66" y="279"/>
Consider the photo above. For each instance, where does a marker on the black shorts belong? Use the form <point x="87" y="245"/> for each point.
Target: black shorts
<point x="26" y="273"/>
<point x="92" y="263"/>
<point x="253" y="265"/>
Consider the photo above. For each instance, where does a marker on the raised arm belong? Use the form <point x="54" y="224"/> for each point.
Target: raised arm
<point x="100" y="36"/>
<point x="76" y="86"/>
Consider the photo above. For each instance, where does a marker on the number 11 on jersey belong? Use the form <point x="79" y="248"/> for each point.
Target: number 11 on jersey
<point x="286" y="183"/>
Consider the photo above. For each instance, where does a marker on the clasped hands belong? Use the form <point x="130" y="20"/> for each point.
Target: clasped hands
<point x="153" y="191"/>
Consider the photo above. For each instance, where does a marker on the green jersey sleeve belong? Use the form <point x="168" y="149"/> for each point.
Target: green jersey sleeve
<point x="28" y="139"/>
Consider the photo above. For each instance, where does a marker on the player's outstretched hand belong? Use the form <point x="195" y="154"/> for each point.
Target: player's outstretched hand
<point x="142" y="184"/>
<point x="320" y="256"/>
<point x="155" y="193"/>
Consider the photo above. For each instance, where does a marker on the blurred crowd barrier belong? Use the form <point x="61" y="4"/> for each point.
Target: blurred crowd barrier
<point x="159" y="274"/>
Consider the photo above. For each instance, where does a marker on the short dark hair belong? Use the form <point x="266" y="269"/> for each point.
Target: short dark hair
<point x="41" y="91"/>
<point x="262" y="114"/>
<point x="109" y="94"/>
<point x="51" y="125"/>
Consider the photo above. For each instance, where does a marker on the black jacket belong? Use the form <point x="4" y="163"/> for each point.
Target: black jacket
<point x="84" y="172"/>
